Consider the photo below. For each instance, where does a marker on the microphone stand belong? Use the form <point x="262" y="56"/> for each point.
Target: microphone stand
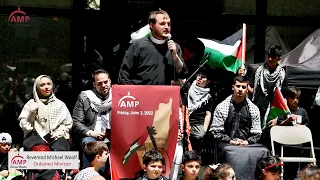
<point x="184" y="89"/>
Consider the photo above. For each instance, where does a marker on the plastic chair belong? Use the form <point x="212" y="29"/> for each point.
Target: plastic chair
<point x="292" y="135"/>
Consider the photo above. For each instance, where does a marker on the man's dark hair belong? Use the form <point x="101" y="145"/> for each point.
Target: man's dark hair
<point x="274" y="51"/>
<point x="94" y="148"/>
<point x="191" y="156"/>
<point x="99" y="71"/>
<point x="240" y="79"/>
<point x="153" y="155"/>
<point x="292" y="92"/>
<point x="207" y="71"/>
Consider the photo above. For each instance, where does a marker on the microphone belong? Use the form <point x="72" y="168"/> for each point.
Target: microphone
<point x="169" y="36"/>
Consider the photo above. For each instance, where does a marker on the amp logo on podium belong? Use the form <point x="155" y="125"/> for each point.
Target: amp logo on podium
<point x="18" y="17"/>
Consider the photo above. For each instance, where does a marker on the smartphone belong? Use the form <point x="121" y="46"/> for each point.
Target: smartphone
<point x="48" y="138"/>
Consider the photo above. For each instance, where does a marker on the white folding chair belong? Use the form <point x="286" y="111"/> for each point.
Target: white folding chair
<point x="292" y="135"/>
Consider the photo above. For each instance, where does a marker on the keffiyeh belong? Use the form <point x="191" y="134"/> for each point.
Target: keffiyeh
<point x="197" y="96"/>
<point x="267" y="80"/>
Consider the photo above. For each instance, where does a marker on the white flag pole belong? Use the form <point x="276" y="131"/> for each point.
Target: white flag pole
<point x="244" y="43"/>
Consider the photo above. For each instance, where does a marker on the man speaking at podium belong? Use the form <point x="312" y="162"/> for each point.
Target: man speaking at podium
<point x="155" y="59"/>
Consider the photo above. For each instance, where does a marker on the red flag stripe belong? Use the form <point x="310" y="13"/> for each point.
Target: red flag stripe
<point x="239" y="53"/>
<point x="278" y="101"/>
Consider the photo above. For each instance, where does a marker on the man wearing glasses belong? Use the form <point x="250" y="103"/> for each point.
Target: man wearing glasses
<point x="92" y="112"/>
<point x="200" y="106"/>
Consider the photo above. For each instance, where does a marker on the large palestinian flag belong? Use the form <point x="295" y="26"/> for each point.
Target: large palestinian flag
<point x="278" y="107"/>
<point x="226" y="54"/>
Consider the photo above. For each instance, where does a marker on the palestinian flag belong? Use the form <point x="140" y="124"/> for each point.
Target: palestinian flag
<point x="226" y="54"/>
<point x="135" y="146"/>
<point x="142" y="32"/>
<point x="278" y="107"/>
<point x="317" y="99"/>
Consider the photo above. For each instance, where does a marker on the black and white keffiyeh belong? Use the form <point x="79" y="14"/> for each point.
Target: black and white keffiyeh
<point x="267" y="80"/>
<point x="197" y="96"/>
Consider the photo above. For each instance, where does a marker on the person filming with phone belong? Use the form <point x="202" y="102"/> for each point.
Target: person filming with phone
<point x="45" y="119"/>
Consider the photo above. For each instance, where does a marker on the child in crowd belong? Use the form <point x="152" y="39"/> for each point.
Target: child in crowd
<point x="219" y="172"/>
<point x="5" y="148"/>
<point x="268" y="168"/>
<point x="191" y="163"/>
<point x="97" y="154"/>
<point x="153" y="164"/>
<point x="311" y="172"/>
<point x="242" y="71"/>
<point x="298" y="114"/>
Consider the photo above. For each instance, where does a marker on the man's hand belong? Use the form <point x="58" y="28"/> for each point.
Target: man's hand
<point x="293" y="117"/>
<point x="4" y="173"/>
<point x="14" y="172"/>
<point x="97" y="135"/>
<point x="172" y="47"/>
<point x="233" y="142"/>
<point x="244" y="143"/>
<point x="13" y="150"/>
<point x="273" y="122"/>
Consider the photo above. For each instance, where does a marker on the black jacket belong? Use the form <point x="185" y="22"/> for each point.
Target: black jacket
<point x="84" y="117"/>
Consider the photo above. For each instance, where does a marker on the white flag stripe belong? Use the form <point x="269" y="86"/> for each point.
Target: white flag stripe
<point x="223" y="48"/>
<point x="142" y="32"/>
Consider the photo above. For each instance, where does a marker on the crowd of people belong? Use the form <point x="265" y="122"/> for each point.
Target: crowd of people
<point x="236" y="125"/>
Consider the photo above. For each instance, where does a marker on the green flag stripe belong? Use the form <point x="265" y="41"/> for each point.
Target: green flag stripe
<point x="275" y="112"/>
<point x="220" y="60"/>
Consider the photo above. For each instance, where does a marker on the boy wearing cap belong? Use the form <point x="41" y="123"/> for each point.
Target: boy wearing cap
<point x="5" y="147"/>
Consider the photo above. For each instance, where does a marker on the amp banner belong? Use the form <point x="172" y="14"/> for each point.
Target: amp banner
<point x="143" y="118"/>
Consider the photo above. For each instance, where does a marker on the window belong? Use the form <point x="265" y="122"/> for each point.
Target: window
<point x="59" y="4"/>
<point x="243" y="7"/>
<point x="293" y="8"/>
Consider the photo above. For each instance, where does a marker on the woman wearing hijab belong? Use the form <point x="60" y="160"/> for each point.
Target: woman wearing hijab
<point x="45" y="119"/>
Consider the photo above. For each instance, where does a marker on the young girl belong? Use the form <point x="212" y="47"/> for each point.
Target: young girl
<point x="219" y="172"/>
<point x="268" y="168"/>
<point x="311" y="172"/>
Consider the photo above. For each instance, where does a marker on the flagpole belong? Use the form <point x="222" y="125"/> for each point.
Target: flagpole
<point x="244" y="43"/>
